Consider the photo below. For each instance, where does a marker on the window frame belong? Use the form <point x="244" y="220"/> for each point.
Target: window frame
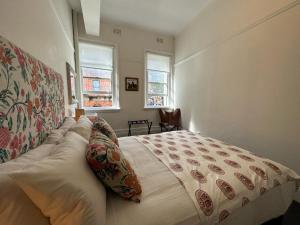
<point x="169" y="84"/>
<point x="114" y="79"/>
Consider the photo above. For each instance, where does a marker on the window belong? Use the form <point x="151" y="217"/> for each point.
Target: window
<point x="98" y="77"/>
<point x="158" y="80"/>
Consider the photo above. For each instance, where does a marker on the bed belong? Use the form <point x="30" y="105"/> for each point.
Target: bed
<point x="186" y="179"/>
<point x="166" y="201"/>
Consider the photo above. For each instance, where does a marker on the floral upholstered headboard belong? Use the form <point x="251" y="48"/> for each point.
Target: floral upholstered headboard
<point x="31" y="101"/>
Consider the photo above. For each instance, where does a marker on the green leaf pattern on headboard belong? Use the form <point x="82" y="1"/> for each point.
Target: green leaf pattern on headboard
<point x="31" y="101"/>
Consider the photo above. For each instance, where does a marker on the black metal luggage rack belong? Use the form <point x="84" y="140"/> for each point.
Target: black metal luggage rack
<point x="134" y="122"/>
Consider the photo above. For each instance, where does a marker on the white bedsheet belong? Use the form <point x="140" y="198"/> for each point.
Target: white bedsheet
<point x="165" y="201"/>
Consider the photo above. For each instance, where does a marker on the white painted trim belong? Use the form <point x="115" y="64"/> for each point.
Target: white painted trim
<point x="115" y="78"/>
<point x="171" y="77"/>
<point x="61" y="24"/>
<point x="241" y="31"/>
<point x="123" y="132"/>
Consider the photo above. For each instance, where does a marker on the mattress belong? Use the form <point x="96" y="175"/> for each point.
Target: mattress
<point x="166" y="202"/>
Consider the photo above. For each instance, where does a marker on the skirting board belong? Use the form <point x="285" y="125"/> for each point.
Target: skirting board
<point x="137" y="131"/>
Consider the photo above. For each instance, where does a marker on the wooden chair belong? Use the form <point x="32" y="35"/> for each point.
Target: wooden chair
<point x="170" y="120"/>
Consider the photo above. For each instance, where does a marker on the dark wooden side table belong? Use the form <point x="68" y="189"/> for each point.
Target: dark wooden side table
<point x="133" y="122"/>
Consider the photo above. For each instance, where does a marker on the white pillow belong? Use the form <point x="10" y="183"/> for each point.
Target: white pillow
<point x="15" y="206"/>
<point x="63" y="186"/>
<point x="68" y="123"/>
<point x="83" y="127"/>
<point x="55" y="136"/>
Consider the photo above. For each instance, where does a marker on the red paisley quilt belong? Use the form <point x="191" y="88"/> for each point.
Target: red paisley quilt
<point x="218" y="177"/>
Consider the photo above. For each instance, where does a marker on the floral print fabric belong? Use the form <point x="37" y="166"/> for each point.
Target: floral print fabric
<point x="219" y="178"/>
<point x="110" y="165"/>
<point x="101" y="125"/>
<point x="31" y="101"/>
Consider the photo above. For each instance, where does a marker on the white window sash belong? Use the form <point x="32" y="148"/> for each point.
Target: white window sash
<point x="114" y="79"/>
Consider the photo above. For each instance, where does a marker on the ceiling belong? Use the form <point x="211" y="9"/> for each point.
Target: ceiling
<point x="164" y="16"/>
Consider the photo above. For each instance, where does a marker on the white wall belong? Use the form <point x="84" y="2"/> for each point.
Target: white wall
<point x="131" y="47"/>
<point x="237" y="76"/>
<point x="42" y="28"/>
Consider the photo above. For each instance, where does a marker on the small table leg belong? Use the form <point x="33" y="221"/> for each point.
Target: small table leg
<point x="129" y="130"/>
<point x="149" y="127"/>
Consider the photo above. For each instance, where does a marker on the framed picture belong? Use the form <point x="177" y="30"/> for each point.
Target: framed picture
<point x="71" y="77"/>
<point x="131" y="84"/>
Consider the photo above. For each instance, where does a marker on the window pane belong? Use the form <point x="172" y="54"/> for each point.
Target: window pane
<point x="95" y="72"/>
<point x="156" y="101"/>
<point x="96" y="65"/>
<point x="97" y="100"/>
<point x="157" y="77"/>
<point x="158" y="62"/>
<point x="157" y="88"/>
<point x="96" y="79"/>
<point x="96" y="55"/>
<point x="96" y="85"/>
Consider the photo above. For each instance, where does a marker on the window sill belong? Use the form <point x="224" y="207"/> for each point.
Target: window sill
<point x="102" y="109"/>
<point x="157" y="107"/>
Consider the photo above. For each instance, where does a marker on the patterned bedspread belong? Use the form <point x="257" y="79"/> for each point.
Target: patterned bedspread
<point x="219" y="178"/>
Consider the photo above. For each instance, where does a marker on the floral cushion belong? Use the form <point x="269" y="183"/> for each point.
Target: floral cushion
<point x="31" y="101"/>
<point x="111" y="167"/>
<point x="101" y="125"/>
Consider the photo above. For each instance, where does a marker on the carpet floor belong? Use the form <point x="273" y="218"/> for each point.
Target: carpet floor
<point x="291" y="217"/>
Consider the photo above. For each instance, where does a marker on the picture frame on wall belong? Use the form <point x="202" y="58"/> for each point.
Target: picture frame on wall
<point x="71" y="79"/>
<point x="131" y="84"/>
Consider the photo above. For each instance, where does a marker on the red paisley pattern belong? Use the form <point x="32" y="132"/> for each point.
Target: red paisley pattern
<point x="221" y="153"/>
<point x="234" y="149"/>
<point x="198" y="143"/>
<point x="193" y="162"/>
<point x="171" y="148"/>
<point x="223" y="215"/>
<point x="273" y="167"/>
<point x="226" y="188"/>
<point x="247" y="158"/>
<point x="198" y="176"/>
<point x="204" y="150"/>
<point x="232" y="163"/>
<point x="186" y="146"/>
<point x="245" y="201"/>
<point x="171" y="143"/>
<point x="245" y="180"/>
<point x="215" y="145"/>
<point x="158" y="152"/>
<point x="158" y="145"/>
<point x="216" y="169"/>
<point x="176" y="167"/>
<point x="174" y="156"/>
<point x="205" y="202"/>
<point x="259" y="172"/>
<point x="209" y="158"/>
<point x="189" y="153"/>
